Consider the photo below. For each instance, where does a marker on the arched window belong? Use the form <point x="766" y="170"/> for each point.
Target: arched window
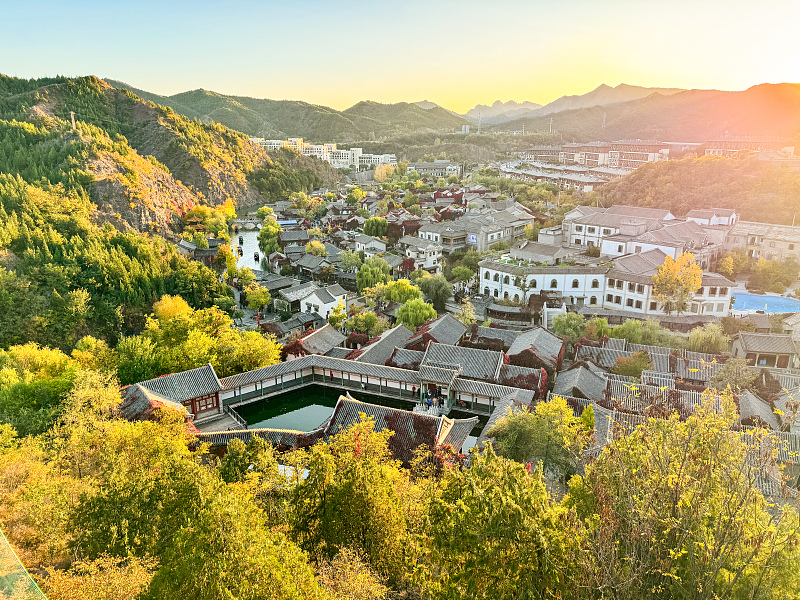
<point x="486" y="291"/>
<point x="505" y="280"/>
<point x="497" y="276"/>
<point x="595" y="284"/>
<point x="505" y="296"/>
<point x="593" y="300"/>
<point x="575" y="283"/>
<point x="516" y="297"/>
<point x="486" y="275"/>
<point x="533" y="284"/>
<point x="553" y="284"/>
<point x="495" y="294"/>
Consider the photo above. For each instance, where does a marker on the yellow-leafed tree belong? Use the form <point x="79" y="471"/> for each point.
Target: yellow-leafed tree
<point x="676" y="281"/>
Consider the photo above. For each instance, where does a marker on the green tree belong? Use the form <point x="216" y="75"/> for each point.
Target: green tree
<point x="240" y="557"/>
<point x="437" y="289"/>
<point x="257" y="296"/>
<point x="376" y="227"/>
<point x="355" y="196"/>
<point x="633" y="365"/>
<point x="735" y="374"/>
<point x="491" y="533"/>
<point x="263" y="212"/>
<point x="676" y="282"/>
<point x="374" y="271"/>
<point x="689" y="520"/>
<point x="597" y="327"/>
<point x="461" y="274"/>
<point x="551" y="434"/>
<point x="414" y="313"/>
<point x="356" y="496"/>
<point x="568" y="326"/>
<point x="350" y="261"/>
<point x="268" y="236"/>
<point x="710" y="338"/>
<point x="410" y="200"/>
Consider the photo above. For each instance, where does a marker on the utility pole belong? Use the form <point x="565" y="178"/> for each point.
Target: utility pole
<point x="72" y="116"/>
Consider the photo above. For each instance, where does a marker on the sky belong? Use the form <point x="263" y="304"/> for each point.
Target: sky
<point x="456" y="53"/>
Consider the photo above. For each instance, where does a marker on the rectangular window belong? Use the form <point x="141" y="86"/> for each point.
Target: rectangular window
<point x="619" y="248"/>
<point x="577" y="241"/>
<point x="699" y="292"/>
<point x="606" y="232"/>
<point x="639" y="288"/>
<point x="619" y="284"/>
<point x="631" y="287"/>
<point x="609" y="298"/>
<point x="653" y="306"/>
<point x="637" y="249"/>
<point x="723" y="291"/>
<point x="617" y="299"/>
<point x="629" y="303"/>
<point x="610" y="283"/>
<point x="639" y="304"/>
<point x="591" y="230"/>
<point x="712" y="291"/>
<point x="578" y="227"/>
<point x="791" y="246"/>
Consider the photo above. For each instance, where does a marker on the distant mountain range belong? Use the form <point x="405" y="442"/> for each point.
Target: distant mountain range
<point x="605" y="113"/>
<point x="687" y="116"/>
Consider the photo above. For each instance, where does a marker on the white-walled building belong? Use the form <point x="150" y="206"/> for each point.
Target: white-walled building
<point x="337" y="157"/>
<point x="627" y="285"/>
<point x="427" y="255"/>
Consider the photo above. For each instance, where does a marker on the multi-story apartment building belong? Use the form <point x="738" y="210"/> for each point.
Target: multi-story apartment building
<point x="337" y="157"/>
<point x="626" y="286"/>
<point x="565" y="177"/>
<point x="632" y="154"/>
<point x="729" y="146"/>
<point x="437" y="168"/>
<point x="427" y="255"/>
<point x="590" y="226"/>
<point x="764" y="240"/>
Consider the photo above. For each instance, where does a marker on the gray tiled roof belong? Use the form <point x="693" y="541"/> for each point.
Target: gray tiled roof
<point x="580" y="382"/>
<point x="322" y="340"/>
<point x="482" y="388"/>
<point x="438" y="375"/>
<point x="377" y="352"/>
<point x="773" y="343"/>
<point x="138" y="403"/>
<point x="474" y="363"/>
<point x="338" y="352"/>
<point x="294" y="235"/>
<point x="616" y="343"/>
<point x="510" y="371"/>
<point x="401" y="357"/>
<point x="751" y="406"/>
<point x="186" y="385"/>
<point x="495" y="333"/>
<point x="298" y="292"/>
<point x="546" y="344"/>
<point x="445" y="330"/>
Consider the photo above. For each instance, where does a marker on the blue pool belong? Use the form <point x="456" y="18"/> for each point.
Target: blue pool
<point x="770" y="304"/>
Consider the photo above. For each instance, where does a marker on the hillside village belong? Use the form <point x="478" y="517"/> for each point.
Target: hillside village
<point x="596" y="266"/>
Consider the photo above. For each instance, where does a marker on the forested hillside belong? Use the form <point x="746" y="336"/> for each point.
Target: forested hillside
<point x="758" y="191"/>
<point x="293" y="118"/>
<point x="690" y="116"/>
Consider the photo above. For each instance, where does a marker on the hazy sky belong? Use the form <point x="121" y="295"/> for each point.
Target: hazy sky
<point x="455" y="53"/>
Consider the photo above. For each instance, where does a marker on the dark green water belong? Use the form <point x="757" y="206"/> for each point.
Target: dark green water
<point x="307" y="408"/>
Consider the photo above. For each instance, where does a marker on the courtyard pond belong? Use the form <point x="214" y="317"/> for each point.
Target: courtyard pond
<point x="307" y="408"/>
